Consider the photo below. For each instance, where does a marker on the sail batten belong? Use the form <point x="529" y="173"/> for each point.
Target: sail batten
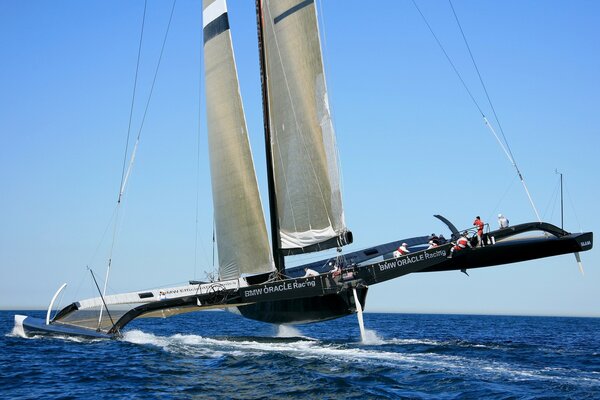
<point x="305" y="163"/>
<point x="242" y="240"/>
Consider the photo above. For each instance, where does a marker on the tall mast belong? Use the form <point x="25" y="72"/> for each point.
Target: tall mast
<point x="275" y="236"/>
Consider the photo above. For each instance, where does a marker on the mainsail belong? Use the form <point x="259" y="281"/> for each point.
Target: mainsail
<point x="242" y="239"/>
<point x="305" y="163"/>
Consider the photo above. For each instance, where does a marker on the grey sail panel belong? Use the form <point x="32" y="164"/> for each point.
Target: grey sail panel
<point x="305" y="159"/>
<point x="242" y="240"/>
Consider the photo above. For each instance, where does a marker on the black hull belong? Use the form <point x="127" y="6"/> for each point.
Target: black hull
<point x="515" y="251"/>
<point x="301" y="300"/>
<point x="305" y="310"/>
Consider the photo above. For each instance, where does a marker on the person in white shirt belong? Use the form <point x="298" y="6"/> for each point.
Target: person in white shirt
<point x="402" y="250"/>
<point x="502" y="221"/>
<point x="310" y="272"/>
<point x="335" y="269"/>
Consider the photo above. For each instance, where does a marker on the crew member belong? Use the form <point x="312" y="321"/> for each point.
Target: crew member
<point x="461" y="243"/>
<point x="502" y="221"/>
<point x="310" y="272"/>
<point x="432" y="244"/>
<point x="335" y="269"/>
<point x="479" y="224"/>
<point x="402" y="250"/>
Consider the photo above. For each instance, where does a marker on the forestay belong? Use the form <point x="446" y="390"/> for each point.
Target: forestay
<point x="242" y="240"/>
<point x="305" y="163"/>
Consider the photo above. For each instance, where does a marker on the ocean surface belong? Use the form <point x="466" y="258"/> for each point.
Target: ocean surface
<point x="219" y="355"/>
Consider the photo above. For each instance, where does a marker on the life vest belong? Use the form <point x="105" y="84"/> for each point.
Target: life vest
<point x="462" y="242"/>
<point x="479" y="223"/>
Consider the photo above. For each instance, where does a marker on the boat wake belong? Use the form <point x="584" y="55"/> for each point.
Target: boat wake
<point x="354" y="355"/>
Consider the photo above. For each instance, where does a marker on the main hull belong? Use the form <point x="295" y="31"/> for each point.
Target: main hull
<point x="299" y="299"/>
<point x="306" y="310"/>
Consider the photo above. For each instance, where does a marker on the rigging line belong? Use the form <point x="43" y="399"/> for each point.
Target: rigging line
<point x="108" y="225"/>
<point x="514" y="163"/>
<point x="137" y="141"/>
<point x="295" y="115"/>
<point x="556" y="204"/>
<point x="287" y="85"/>
<point x="449" y="59"/>
<point x="573" y="207"/>
<point x="198" y="133"/>
<point x="552" y="200"/>
<point x="487" y="123"/>
<point x="504" y="195"/>
<point x="197" y="198"/>
<point x="103" y="302"/>
<point x="79" y="284"/>
<point x="480" y="78"/>
<point x="133" y="153"/>
<point x="330" y="107"/>
<point x="213" y="243"/>
<point x="507" y="150"/>
<point x="135" y="81"/>
<point x="110" y="255"/>
<point x="275" y="140"/>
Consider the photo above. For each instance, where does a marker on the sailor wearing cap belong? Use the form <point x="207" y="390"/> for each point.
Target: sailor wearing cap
<point x="502" y="221"/>
<point x="402" y="250"/>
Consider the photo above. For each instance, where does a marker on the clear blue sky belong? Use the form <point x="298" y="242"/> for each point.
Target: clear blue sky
<point x="411" y="142"/>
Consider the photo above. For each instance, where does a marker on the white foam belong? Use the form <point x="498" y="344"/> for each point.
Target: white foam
<point x="415" y="341"/>
<point x="198" y="346"/>
<point x="372" y="338"/>
<point x="139" y="337"/>
<point x="18" y="329"/>
<point x="287" y="331"/>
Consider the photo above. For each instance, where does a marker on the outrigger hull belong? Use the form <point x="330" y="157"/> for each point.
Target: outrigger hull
<point x="31" y="326"/>
<point x="517" y="250"/>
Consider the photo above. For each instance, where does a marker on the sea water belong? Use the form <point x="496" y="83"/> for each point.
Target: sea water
<point x="224" y="356"/>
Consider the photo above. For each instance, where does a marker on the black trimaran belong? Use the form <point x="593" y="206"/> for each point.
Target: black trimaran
<point x="305" y="202"/>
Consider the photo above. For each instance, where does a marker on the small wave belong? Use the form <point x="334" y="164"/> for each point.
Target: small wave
<point x="140" y="337"/>
<point x="198" y="346"/>
<point x="441" y="343"/>
<point x="414" y="341"/>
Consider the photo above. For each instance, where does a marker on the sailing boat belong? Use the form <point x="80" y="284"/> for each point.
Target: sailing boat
<point x="305" y="201"/>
